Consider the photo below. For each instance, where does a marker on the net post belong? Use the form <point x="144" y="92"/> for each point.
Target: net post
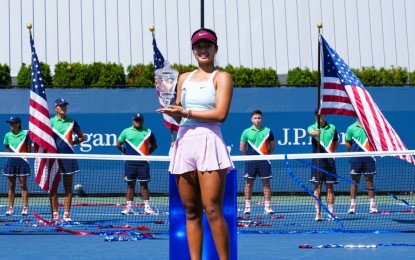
<point x="177" y="221"/>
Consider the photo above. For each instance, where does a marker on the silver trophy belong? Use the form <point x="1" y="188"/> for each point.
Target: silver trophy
<point x="166" y="80"/>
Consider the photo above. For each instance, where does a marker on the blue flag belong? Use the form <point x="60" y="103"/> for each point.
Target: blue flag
<point x="157" y="56"/>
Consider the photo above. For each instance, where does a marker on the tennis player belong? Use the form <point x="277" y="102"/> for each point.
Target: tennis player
<point x="200" y="159"/>
<point x="17" y="141"/>
<point x="64" y="130"/>
<point x="141" y="141"/>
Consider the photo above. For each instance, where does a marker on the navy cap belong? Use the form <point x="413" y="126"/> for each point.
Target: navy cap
<point x="60" y="102"/>
<point x="138" y="116"/>
<point x="14" y="119"/>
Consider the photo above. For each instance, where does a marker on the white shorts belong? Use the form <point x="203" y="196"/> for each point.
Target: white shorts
<point x="200" y="147"/>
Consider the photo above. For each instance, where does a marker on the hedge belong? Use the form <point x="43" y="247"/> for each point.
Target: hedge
<point x="101" y="75"/>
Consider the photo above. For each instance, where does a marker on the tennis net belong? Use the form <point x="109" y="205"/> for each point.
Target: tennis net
<point x="99" y="197"/>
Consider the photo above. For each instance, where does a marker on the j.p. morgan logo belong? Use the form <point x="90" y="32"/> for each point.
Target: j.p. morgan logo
<point x="298" y="136"/>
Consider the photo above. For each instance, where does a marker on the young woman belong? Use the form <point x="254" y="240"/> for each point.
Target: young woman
<point x="202" y="103"/>
<point x="17" y="141"/>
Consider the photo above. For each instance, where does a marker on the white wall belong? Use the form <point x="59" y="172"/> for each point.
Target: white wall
<point x="280" y="34"/>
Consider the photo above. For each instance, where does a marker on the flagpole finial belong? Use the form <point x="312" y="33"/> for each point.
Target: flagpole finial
<point x="319" y="25"/>
<point x="29" y="26"/>
<point x="151" y="28"/>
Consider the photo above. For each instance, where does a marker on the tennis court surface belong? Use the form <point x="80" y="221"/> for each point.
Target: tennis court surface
<point x="99" y="230"/>
<point x="250" y="246"/>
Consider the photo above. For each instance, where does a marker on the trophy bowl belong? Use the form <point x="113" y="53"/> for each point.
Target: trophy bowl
<point x="166" y="80"/>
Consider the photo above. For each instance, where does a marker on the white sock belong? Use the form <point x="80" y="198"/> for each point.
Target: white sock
<point x="317" y="207"/>
<point x="331" y="208"/>
<point x="267" y="203"/>
<point x="247" y="203"/>
<point x="130" y="203"/>
<point x="372" y="201"/>
<point x="352" y="202"/>
<point x="146" y="203"/>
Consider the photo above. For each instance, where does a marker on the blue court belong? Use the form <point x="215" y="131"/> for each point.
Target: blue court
<point x="250" y="246"/>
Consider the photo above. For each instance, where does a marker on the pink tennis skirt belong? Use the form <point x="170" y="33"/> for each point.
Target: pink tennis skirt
<point x="200" y="147"/>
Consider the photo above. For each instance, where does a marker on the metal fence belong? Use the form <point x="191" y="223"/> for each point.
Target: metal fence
<point x="278" y="34"/>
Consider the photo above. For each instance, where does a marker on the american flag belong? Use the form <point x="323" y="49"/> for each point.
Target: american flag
<point x="159" y="61"/>
<point x="40" y="129"/>
<point x="342" y="93"/>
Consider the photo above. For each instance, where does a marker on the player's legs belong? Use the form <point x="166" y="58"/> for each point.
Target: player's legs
<point x="370" y="186"/>
<point x="317" y="193"/>
<point x="354" y="186"/>
<point x="353" y="193"/>
<point x="251" y="170"/>
<point x="330" y="196"/>
<point x="266" y="183"/>
<point x="143" y="177"/>
<point x="189" y="191"/>
<point x="369" y="170"/>
<point x="330" y="179"/>
<point x="12" y="189"/>
<point x="145" y="193"/>
<point x="330" y="200"/>
<point x="67" y="185"/>
<point x="267" y="189"/>
<point x="371" y="193"/>
<point x="11" y="192"/>
<point x="265" y="174"/>
<point x="23" y="188"/>
<point x="130" y="190"/>
<point x="248" y="188"/>
<point x="249" y="183"/>
<point x="54" y="204"/>
<point x="130" y="177"/>
<point x="129" y="196"/>
<point x="212" y="187"/>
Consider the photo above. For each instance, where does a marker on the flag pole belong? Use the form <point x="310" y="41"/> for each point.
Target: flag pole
<point x="319" y="26"/>
<point x="202" y="14"/>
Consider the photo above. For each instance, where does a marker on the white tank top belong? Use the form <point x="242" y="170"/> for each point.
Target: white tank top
<point x="198" y="96"/>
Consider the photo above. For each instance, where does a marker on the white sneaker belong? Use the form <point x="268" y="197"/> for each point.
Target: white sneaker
<point x="247" y="210"/>
<point x="373" y="209"/>
<point x="55" y="216"/>
<point x="127" y="210"/>
<point x="148" y="210"/>
<point x="9" y="211"/>
<point x="318" y="218"/>
<point x="268" y="210"/>
<point x="352" y="209"/>
<point x="330" y="218"/>
<point x="24" y="211"/>
<point x="67" y="217"/>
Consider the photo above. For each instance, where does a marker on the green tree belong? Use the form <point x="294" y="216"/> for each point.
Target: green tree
<point x="5" y="78"/>
<point x="298" y="76"/>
